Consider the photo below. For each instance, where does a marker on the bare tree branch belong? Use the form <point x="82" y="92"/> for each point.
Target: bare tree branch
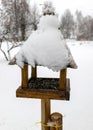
<point x="3" y="52"/>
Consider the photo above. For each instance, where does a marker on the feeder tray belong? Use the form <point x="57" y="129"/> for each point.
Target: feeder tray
<point x="44" y="88"/>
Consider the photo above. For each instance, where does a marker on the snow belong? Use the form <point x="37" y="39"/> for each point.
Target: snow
<point x="48" y="8"/>
<point x="22" y="113"/>
<point x="45" y="46"/>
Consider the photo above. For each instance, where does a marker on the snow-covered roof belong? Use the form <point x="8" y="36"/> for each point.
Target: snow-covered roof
<point x="46" y="46"/>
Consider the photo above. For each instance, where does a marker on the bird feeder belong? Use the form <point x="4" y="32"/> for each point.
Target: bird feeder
<point x="44" y="89"/>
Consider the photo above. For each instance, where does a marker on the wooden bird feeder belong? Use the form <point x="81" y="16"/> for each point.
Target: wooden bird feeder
<point x="44" y="89"/>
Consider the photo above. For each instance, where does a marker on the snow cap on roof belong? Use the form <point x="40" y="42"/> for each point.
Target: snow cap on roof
<point x="48" y="8"/>
<point x="48" y="21"/>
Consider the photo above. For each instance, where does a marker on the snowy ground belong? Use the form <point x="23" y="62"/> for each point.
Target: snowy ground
<point x="21" y="114"/>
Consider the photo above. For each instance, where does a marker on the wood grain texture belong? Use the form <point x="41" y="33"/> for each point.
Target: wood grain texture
<point x="45" y="112"/>
<point x="62" y="80"/>
<point x="24" y="76"/>
<point x="34" y="72"/>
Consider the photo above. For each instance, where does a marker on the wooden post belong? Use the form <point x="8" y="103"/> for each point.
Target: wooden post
<point x="62" y="80"/>
<point x="24" y="73"/>
<point x="34" y="72"/>
<point x="45" y="112"/>
<point x="56" y="119"/>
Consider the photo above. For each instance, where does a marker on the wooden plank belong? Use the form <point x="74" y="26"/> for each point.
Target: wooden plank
<point x="62" y="80"/>
<point x="24" y="76"/>
<point x="41" y="94"/>
<point x="34" y="72"/>
<point x="45" y="112"/>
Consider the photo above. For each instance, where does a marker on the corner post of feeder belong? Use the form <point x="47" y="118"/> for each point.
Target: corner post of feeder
<point x="24" y="76"/>
<point x="45" y="112"/>
<point x="34" y="72"/>
<point x="62" y="80"/>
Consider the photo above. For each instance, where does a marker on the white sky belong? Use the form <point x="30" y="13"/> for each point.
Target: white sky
<point x="86" y="6"/>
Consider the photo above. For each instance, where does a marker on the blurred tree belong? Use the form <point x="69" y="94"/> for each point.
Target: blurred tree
<point x="35" y="17"/>
<point x="67" y="24"/>
<point x="79" y="23"/>
<point x="16" y="18"/>
<point x="84" y="26"/>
